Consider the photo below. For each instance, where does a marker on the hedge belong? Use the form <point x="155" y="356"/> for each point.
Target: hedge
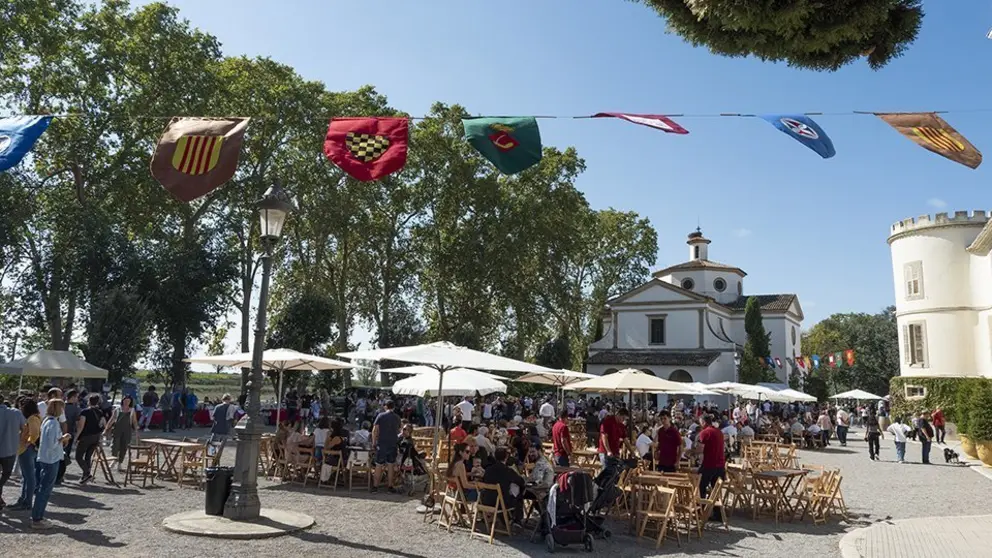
<point x="941" y="392"/>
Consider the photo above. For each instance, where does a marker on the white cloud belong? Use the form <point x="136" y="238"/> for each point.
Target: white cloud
<point x="937" y="202"/>
<point x="741" y="233"/>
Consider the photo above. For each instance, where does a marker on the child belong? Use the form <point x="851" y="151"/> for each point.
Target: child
<point x="320" y="437"/>
<point x="477" y="470"/>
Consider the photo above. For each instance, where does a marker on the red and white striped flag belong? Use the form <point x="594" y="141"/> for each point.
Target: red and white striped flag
<point x="656" y="121"/>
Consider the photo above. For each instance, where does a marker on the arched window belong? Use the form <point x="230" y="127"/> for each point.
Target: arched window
<point x="680" y="376"/>
<point x="610" y="371"/>
<point x="648" y="371"/>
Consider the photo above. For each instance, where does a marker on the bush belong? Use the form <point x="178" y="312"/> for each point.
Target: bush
<point x="980" y="413"/>
<point x="949" y="394"/>
<point x="962" y="402"/>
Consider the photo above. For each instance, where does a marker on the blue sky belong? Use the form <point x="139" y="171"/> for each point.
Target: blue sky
<point x="794" y="222"/>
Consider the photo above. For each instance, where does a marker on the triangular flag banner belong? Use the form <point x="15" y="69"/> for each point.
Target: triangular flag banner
<point x="770" y="362"/>
<point x="849" y="357"/>
<point x="930" y="132"/>
<point x="838" y="359"/>
<point x="195" y="156"/>
<point x="831" y="362"/>
<point x="802" y="129"/>
<point x="368" y="148"/>
<point x="778" y="362"/>
<point x="511" y="144"/>
<point x="816" y="361"/>
<point x="801" y="360"/>
<point x="655" y="121"/>
<point x="17" y="136"/>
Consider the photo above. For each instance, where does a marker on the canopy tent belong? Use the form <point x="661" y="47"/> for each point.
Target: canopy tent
<point x="53" y="364"/>
<point x="748" y="391"/>
<point x="276" y="359"/>
<point x="443" y="357"/>
<point x="421" y="369"/>
<point x="459" y="381"/>
<point x="855" y="394"/>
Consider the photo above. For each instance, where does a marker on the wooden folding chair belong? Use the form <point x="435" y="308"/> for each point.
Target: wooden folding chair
<point x="737" y="493"/>
<point x="495" y="512"/>
<point x="141" y="461"/>
<point x="104" y="465"/>
<point x="360" y="462"/>
<point x="661" y="510"/>
<point x="454" y="508"/>
<point x="333" y="472"/>
<point x="193" y="463"/>
<point x="712" y="501"/>
<point x="306" y="465"/>
<point x="766" y="496"/>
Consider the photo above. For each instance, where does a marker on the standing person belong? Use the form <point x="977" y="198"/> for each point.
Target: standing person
<point x="385" y="439"/>
<point x="939" y="425"/>
<point x="223" y="419"/>
<point x="51" y="450"/>
<point x="89" y="427"/>
<point x="191" y="402"/>
<point x="561" y="440"/>
<point x="148" y="403"/>
<point x="72" y="412"/>
<point x="27" y="453"/>
<point x="872" y="435"/>
<point x="165" y="404"/>
<point x="825" y="425"/>
<point x="843" y="424"/>
<point x="899" y="432"/>
<point x="11" y="422"/>
<point x="710" y="443"/>
<point x="122" y="423"/>
<point x="611" y="435"/>
<point x="668" y="445"/>
<point x="926" y="435"/>
<point x="467" y="408"/>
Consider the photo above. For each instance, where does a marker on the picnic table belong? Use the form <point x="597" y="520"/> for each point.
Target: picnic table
<point x="172" y="452"/>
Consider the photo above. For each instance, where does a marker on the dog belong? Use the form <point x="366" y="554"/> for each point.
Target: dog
<point x="951" y="456"/>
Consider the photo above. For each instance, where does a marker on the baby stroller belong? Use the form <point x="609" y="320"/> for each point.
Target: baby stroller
<point x="565" y="519"/>
<point x="413" y="468"/>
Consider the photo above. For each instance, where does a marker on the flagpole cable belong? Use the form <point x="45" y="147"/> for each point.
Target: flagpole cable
<point x="537" y="117"/>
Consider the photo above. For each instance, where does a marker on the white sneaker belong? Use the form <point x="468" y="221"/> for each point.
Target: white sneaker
<point x="42" y="524"/>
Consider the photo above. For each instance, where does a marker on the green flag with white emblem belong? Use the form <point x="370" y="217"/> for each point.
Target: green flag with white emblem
<point x="511" y="144"/>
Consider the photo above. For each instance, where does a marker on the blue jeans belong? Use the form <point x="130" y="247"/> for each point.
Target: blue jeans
<point x="842" y="434"/>
<point x="926" y="450"/>
<point x="561" y="461"/>
<point x="27" y="462"/>
<point x="46" y="482"/>
<point x="900" y="451"/>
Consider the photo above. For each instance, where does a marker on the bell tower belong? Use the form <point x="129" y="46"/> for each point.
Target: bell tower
<point x="698" y="246"/>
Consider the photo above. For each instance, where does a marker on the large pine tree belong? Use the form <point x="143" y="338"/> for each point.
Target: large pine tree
<point x="811" y="34"/>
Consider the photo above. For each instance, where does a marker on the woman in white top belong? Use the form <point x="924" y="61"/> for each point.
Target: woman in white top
<point x="644" y="444"/>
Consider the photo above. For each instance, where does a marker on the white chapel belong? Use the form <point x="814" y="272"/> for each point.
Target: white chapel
<point x="687" y="323"/>
<point x="943" y="282"/>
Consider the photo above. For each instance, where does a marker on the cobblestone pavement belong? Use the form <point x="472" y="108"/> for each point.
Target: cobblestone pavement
<point x="98" y="520"/>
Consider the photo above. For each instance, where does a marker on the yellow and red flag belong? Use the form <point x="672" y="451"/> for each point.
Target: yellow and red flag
<point x="195" y="156"/>
<point x="932" y="133"/>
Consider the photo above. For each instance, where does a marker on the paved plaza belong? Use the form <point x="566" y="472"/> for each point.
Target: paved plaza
<point x="940" y="500"/>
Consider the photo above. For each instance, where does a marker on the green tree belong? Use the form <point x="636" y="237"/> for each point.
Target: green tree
<point x="303" y="324"/>
<point x="805" y="34"/>
<point x="117" y="332"/>
<point x="756" y="347"/>
<point x="555" y="354"/>
<point x="874" y="339"/>
<point x="218" y="343"/>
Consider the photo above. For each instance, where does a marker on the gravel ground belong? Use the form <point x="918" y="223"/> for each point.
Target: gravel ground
<point x="98" y="520"/>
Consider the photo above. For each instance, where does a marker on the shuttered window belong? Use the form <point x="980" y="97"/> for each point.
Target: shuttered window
<point x="913" y="276"/>
<point x="914" y="344"/>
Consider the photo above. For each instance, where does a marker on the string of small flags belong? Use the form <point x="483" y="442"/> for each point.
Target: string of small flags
<point x="838" y="359"/>
<point x="196" y="155"/>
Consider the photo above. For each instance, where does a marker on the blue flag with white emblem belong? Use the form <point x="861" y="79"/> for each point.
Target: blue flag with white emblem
<point x="17" y="137"/>
<point x="805" y="131"/>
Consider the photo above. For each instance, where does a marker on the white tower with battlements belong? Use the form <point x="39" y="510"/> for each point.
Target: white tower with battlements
<point x="943" y="282"/>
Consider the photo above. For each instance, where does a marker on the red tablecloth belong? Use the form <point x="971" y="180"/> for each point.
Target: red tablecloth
<point x="202" y="417"/>
<point x="272" y="416"/>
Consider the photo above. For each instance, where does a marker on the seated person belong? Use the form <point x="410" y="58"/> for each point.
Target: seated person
<point x="477" y="471"/>
<point x="511" y="484"/>
<point x="336" y="441"/>
<point x="543" y="473"/>
<point x="363" y="436"/>
<point x="457" y="475"/>
<point x="520" y="445"/>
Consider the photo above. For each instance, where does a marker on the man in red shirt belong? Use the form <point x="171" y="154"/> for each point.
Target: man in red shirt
<point x="710" y="444"/>
<point x="669" y="445"/>
<point x="612" y="432"/>
<point x="561" y="439"/>
<point x="458" y="434"/>
<point x="938" y="425"/>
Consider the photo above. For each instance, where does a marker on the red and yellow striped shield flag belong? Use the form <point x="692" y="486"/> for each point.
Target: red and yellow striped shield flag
<point x="197" y="155"/>
<point x="932" y="133"/>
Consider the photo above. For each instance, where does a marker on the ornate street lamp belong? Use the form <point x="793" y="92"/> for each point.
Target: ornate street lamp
<point x="243" y="504"/>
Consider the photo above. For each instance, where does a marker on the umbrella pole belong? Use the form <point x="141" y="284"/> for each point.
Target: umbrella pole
<point x="279" y="403"/>
<point x="438" y="421"/>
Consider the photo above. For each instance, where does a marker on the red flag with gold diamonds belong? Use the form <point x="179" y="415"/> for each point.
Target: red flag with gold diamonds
<point x="368" y="148"/>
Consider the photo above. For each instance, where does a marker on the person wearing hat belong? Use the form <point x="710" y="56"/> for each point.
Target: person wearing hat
<point x="223" y="419"/>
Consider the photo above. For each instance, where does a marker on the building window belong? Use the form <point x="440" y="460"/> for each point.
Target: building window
<point x="794" y="335"/>
<point x="657" y="335"/>
<point x="719" y="284"/>
<point x="740" y="288"/>
<point x="916" y="392"/>
<point x="695" y="252"/>
<point x="680" y="376"/>
<point x="688" y="284"/>
<point x="914" y="344"/>
<point x="913" y="274"/>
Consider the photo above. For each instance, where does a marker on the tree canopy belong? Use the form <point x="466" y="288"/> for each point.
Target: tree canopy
<point x="875" y="340"/>
<point x="810" y="34"/>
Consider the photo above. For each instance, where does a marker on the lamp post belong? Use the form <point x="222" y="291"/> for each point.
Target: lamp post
<point x="243" y="504"/>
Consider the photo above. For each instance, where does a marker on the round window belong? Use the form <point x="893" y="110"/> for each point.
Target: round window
<point x="719" y="284"/>
<point x="740" y="288"/>
<point x="688" y="284"/>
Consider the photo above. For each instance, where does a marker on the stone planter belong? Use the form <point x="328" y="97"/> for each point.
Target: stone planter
<point x="968" y="446"/>
<point x="984" y="448"/>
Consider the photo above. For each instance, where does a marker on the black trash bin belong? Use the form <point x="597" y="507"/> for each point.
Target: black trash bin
<point x="218" y="487"/>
